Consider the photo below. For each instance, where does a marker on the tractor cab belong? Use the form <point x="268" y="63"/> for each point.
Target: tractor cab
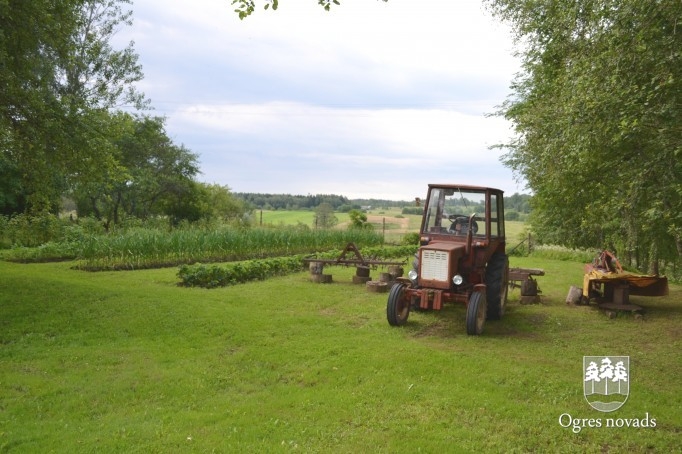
<point x="452" y="213"/>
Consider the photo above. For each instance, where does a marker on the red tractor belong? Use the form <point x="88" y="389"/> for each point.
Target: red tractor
<point x="461" y="257"/>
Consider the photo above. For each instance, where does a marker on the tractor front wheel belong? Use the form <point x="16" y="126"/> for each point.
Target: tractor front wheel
<point x="398" y="307"/>
<point x="476" y="312"/>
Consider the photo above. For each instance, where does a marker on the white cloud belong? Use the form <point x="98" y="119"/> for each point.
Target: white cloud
<point x="402" y="132"/>
<point x="356" y="101"/>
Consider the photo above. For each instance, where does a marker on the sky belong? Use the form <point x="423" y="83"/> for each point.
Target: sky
<point x="372" y="99"/>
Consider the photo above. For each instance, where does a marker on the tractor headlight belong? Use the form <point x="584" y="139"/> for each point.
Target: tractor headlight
<point x="412" y="275"/>
<point x="457" y="279"/>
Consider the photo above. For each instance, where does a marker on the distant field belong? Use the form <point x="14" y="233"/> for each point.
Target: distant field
<point x="391" y="219"/>
<point x="515" y="231"/>
<point x="286" y="217"/>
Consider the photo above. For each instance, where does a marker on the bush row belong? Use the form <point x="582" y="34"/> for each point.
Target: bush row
<point x="212" y="276"/>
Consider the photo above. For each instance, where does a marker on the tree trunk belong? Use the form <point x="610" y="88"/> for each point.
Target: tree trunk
<point x="653" y="264"/>
<point x="95" y="210"/>
<point x="116" y="205"/>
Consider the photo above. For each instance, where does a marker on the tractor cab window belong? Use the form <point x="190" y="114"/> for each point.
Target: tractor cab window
<point x="450" y="212"/>
<point x="496" y="216"/>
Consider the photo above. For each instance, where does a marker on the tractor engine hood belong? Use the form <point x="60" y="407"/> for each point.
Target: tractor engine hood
<point x="438" y="263"/>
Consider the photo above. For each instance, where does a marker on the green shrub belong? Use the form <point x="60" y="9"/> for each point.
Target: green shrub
<point x="413" y="210"/>
<point x="212" y="276"/>
<point x="411" y="238"/>
<point x="30" y="231"/>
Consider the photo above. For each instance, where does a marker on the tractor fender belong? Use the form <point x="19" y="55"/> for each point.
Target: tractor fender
<point x="480" y="288"/>
<point x="405" y="281"/>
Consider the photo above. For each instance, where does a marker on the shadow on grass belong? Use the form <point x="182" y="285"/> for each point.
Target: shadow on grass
<point x="450" y="323"/>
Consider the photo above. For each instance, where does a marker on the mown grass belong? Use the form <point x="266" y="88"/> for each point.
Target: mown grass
<point x="286" y="217"/>
<point x="130" y="362"/>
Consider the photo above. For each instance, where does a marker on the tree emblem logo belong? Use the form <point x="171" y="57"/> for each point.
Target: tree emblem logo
<point x="606" y="381"/>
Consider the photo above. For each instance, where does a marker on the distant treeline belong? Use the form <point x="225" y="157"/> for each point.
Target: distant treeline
<point x="519" y="203"/>
<point x="291" y="202"/>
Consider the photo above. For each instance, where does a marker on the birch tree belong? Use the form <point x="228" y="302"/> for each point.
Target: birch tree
<point x="597" y="115"/>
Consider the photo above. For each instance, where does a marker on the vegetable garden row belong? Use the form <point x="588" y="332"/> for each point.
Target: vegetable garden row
<point x="141" y="248"/>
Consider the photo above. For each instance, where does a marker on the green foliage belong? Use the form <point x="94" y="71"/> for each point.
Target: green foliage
<point x="324" y="217"/>
<point x="144" y="247"/>
<point x="518" y="202"/>
<point x="12" y="194"/>
<point x="596" y="114"/>
<point x="152" y="176"/>
<point x="25" y="230"/>
<point x="292" y="202"/>
<point x="511" y="215"/>
<point x="326" y="4"/>
<point x="62" y="80"/>
<point x="195" y="201"/>
<point x="347" y="207"/>
<point x="358" y="220"/>
<point x="411" y="238"/>
<point x="245" y="8"/>
<point x="60" y="76"/>
<point x="413" y="210"/>
<point x="212" y="276"/>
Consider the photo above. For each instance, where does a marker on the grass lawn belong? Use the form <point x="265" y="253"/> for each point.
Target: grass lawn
<point x="286" y="217"/>
<point x="130" y="362"/>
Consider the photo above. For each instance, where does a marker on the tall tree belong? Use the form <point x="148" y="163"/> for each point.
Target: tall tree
<point x="205" y="201"/>
<point x="94" y="74"/>
<point x="150" y="174"/>
<point x="324" y="217"/>
<point x="597" y="110"/>
<point x="59" y="76"/>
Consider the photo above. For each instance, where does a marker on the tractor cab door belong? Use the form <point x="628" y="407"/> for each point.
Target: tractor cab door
<point x="496" y="215"/>
<point x="496" y="220"/>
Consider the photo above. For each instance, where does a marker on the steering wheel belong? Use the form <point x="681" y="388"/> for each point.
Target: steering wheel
<point x="463" y="222"/>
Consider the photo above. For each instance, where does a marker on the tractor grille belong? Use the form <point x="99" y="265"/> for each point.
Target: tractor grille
<point x="434" y="265"/>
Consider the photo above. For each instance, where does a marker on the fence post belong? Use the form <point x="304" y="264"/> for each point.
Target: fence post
<point x="383" y="230"/>
<point x="530" y="245"/>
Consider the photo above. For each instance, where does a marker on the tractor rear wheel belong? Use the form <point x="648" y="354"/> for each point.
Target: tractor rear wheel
<point x="476" y="310"/>
<point x="496" y="282"/>
<point x="398" y="307"/>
